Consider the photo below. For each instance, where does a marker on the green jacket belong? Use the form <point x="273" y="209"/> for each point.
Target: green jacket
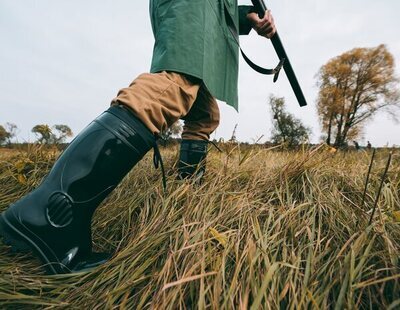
<point x="192" y="37"/>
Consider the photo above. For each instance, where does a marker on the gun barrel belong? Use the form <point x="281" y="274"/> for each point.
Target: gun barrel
<point x="280" y="50"/>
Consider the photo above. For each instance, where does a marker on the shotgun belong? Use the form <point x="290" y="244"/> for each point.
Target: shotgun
<point x="260" y="8"/>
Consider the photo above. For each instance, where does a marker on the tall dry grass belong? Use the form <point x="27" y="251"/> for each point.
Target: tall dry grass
<point x="267" y="229"/>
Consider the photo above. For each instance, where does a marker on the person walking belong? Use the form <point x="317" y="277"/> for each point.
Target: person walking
<point x="195" y="62"/>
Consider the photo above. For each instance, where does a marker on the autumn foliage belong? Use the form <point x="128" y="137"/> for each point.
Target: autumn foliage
<point x="354" y="87"/>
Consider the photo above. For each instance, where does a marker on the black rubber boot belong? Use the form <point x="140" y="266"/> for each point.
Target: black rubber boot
<point x="192" y="159"/>
<point x="54" y="220"/>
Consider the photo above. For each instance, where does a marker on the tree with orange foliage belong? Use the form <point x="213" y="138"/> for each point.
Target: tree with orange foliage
<point x="353" y="88"/>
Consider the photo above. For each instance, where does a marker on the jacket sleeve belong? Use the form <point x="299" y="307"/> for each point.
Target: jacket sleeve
<point x="244" y="24"/>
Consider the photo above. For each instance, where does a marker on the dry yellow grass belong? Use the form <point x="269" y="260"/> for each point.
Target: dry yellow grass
<point x="267" y="229"/>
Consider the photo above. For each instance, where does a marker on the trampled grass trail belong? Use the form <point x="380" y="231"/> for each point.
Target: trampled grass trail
<point x="267" y="229"/>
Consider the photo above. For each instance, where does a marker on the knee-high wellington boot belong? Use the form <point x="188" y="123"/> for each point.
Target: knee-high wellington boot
<point x="192" y="159"/>
<point x="54" y="220"/>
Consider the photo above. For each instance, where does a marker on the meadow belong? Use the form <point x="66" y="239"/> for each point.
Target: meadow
<point x="267" y="229"/>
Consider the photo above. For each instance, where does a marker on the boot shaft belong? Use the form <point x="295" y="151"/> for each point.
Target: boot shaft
<point x="192" y="159"/>
<point x="100" y="156"/>
<point x="54" y="220"/>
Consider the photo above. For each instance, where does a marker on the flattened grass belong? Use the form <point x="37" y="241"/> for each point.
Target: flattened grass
<point x="267" y="229"/>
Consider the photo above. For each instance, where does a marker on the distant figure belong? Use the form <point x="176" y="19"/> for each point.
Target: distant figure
<point x="369" y="146"/>
<point x="356" y="145"/>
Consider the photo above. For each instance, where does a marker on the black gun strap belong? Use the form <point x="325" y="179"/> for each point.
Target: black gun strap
<point x="262" y="70"/>
<point x="252" y="65"/>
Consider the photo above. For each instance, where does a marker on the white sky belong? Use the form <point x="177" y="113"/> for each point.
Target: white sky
<point x="62" y="61"/>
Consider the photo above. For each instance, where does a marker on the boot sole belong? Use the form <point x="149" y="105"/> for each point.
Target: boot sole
<point x="21" y="239"/>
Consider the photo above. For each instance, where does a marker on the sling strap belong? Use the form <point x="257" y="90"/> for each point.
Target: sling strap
<point x="255" y="67"/>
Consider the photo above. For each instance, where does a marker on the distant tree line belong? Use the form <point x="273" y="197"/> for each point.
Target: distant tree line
<point x="44" y="133"/>
<point x="353" y="88"/>
<point x="52" y="135"/>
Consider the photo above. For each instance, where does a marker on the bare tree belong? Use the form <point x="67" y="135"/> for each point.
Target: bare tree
<point x="12" y="130"/>
<point x="63" y="131"/>
<point x="4" y="135"/>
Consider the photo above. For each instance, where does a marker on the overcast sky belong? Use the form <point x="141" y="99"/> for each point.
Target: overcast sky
<point x="62" y="61"/>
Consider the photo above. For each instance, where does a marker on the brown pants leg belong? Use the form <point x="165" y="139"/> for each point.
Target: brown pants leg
<point x="160" y="99"/>
<point x="203" y="117"/>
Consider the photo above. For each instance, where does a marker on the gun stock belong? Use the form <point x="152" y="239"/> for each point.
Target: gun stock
<point x="280" y="50"/>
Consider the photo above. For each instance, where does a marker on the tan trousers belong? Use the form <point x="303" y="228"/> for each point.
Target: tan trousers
<point x="160" y="99"/>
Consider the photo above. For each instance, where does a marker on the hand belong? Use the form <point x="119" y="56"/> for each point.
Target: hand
<point x="265" y="26"/>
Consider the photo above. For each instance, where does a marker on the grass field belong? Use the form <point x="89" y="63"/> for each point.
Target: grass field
<point x="268" y="229"/>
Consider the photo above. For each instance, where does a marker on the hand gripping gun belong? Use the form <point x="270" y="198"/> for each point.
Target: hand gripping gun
<point x="260" y="8"/>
